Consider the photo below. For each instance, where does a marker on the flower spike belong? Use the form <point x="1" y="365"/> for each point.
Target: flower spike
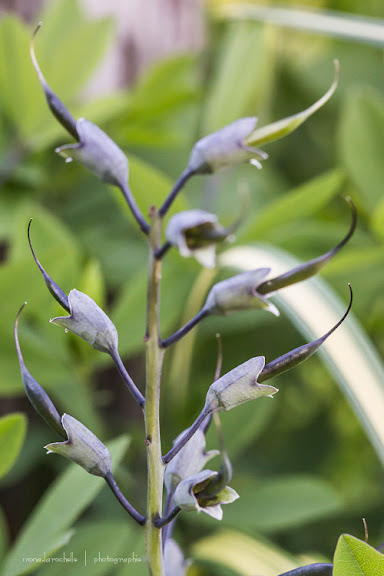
<point x="58" y="294"/>
<point x="298" y="355"/>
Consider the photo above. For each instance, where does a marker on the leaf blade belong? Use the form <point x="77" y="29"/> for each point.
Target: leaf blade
<point x="12" y="433"/>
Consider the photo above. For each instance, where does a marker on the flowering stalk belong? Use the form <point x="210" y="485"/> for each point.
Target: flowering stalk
<point x="189" y="486"/>
<point x="154" y="359"/>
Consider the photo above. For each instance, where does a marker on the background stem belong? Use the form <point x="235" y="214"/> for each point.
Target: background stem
<point x="154" y="359"/>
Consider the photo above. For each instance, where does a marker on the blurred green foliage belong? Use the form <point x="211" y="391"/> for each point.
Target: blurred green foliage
<point x="303" y="466"/>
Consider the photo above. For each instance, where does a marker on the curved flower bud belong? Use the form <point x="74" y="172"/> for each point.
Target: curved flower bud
<point x="236" y="142"/>
<point x="299" y="355"/>
<point x="56" y="106"/>
<point x="58" y="294"/>
<point x="36" y="393"/>
<point x="83" y="447"/>
<point x="239" y="293"/>
<point x="193" y="494"/>
<point x="285" y="126"/>
<point x="191" y="459"/>
<point x="174" y="562"/>
<point x="310" y="268"/>
<point x="238" y="386"/>
<point x="93" y="148"/>
<point x="98" y="152"/>
<point x="88" y="321"/>
<point x="195" y="233"/>
<point x="226" y="147"/>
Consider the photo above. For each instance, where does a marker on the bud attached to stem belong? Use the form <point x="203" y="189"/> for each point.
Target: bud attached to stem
<point x="83" y="447"/>
<point x="88" y="321"/>
<point x="238" y="142"/>
<point x="58" y="294"/>
<point x="98" y="152"/>
<point x="308" y="269"/>
<point x="299" y="355"/>
<point x="36" y="393"/>
<point x="239" y="293"/>
<point x="238" y="386"/>
<point x="56" y="106"/>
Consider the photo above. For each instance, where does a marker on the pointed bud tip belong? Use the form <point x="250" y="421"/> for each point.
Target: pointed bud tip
<point x="20" y="311"/>
<point x="32" y="50"/>
<point x="16" y="334"/>
<point x="341" y="319"/>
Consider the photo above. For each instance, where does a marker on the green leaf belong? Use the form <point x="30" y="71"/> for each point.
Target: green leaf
<point x="20" y="95"/>
<point x="246" y="556"/>
<point x="20" y="280"/>
<point x="46" y="531"/>
<point x="356" y="558"/>
<point x="301" y="202"/>
<point x="236" y="90"/>
<point x="12" y="434"/>
<point x="324" y="22"/>
<point x="377" y="220"/>
<point x="181" y="366"/>
<point x="361" y="143"/>
<point x="4" y="537"/>
<point x="92" y="283"/>
<point x="313" y="307"/>
<point x="91" y="542"/>
<point x="128" y="313"/>
<point x="281" y="503"/>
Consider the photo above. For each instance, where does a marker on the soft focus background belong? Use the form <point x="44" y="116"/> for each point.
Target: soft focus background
<point x="156" y="75"/>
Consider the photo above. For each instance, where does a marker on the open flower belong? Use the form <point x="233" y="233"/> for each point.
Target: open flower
<point x="196" y="233"/>
<point x="193" y="493"/>
<point x="191" y="459"/>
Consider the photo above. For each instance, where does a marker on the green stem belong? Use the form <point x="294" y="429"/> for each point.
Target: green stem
<point x="154" y="359"/>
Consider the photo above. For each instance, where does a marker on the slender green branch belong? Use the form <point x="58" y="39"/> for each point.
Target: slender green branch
<point x="185" y="329"/>
<point x="154" y="359"/>
<point x="143" y="224"/>
<point x="123" y="501"/>
<point x="160" y="522"/>
<point x="187" y="436"/>
<point x="311" y="570"/>
<point x="128" y="380"/>
<point x="185" y="176"/>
